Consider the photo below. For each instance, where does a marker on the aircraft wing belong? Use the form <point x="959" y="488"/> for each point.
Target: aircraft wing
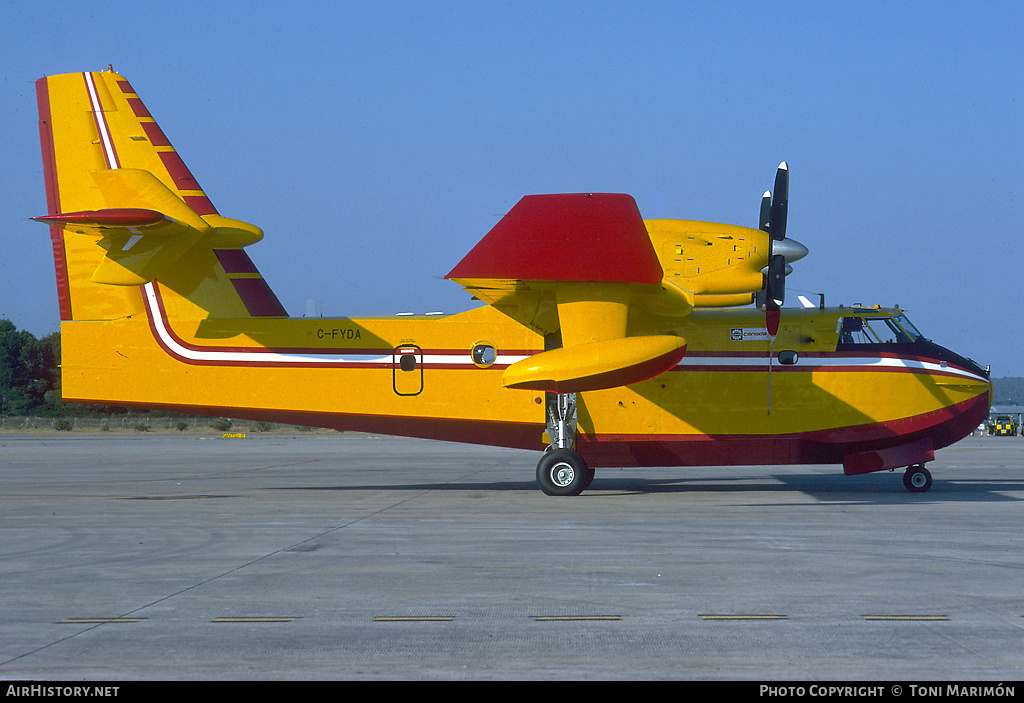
<point x="573" y="264"/>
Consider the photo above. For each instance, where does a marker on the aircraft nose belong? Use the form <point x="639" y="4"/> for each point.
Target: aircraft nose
<point x="789" y="248"/>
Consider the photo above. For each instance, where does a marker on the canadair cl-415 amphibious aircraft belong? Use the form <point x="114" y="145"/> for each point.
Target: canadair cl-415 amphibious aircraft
<point x="607" y="340"/>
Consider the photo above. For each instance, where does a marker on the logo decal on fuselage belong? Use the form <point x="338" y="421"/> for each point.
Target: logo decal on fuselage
<point x="748" y="334"/>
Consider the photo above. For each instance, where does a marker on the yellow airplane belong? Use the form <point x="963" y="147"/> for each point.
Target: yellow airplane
<point x="603" y="342"/>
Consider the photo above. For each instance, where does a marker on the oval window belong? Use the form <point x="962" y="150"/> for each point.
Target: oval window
<point x="788" y="357"/>
<point x="484" y="354"/>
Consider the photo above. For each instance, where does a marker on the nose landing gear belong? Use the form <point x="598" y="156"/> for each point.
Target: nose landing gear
<point x="917" y="479"/>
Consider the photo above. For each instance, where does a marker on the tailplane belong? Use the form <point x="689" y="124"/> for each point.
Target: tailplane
<point x="124" y="211"/>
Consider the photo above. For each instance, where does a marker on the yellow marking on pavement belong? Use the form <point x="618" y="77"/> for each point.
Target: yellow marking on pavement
<point x="414" y="618"/>
<point x="749" y="616"/>
<point x="924" y="618"/>
<point x="548" y="618"/>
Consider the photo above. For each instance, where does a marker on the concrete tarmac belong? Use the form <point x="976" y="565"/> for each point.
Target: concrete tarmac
<point x="345" y="556"/>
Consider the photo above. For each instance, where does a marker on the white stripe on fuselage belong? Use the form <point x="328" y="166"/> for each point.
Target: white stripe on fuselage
<point x="858" y="362"/>
<point x="687" y="363"/>
<point x="229" y="357"/>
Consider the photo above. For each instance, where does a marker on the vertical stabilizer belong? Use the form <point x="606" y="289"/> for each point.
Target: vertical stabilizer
<point x="124" y="210"/>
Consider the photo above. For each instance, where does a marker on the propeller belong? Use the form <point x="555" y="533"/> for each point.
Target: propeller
<point x="774" y="212"/>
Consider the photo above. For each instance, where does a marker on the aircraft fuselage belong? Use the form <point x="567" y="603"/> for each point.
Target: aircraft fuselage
<point x="813" y="395"/>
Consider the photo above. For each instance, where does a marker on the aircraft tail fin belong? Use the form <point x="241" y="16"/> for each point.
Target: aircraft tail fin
<point x="124" y="210"/>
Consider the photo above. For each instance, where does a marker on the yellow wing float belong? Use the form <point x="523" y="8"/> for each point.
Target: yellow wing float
<point x="601" y="330"/>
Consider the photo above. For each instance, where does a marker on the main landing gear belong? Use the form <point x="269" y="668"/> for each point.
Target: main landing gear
<point x="917" y="479"/>
<point x="562" y="471"/>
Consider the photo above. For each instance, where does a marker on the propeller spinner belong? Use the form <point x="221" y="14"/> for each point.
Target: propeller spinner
<point x="774" y="211"/>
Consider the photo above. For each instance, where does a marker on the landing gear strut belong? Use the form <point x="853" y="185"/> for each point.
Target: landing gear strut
<point x="561" y="425"/>
<point x="917" y="479"/>
<point x="562" y="471"/>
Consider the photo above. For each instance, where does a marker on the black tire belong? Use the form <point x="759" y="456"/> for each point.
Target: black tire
<point x="588" y="478"/>
<point x="562" y="472"/>
<point x="917" y="479"/>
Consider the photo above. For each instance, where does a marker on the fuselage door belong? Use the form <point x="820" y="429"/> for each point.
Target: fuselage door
<point x="407" y="369"/>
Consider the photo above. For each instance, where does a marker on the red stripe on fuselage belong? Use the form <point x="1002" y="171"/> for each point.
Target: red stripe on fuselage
<point x="157" y="318"/>
<point x="701" y="368"/>
<point x="383" y="351"/>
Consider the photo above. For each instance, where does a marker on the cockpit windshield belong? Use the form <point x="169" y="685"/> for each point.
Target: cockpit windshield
<point x="895" y="329"/>
<point x="908" y="327"/>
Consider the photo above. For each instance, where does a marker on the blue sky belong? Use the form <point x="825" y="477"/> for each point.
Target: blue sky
<point x="376" y="143"/>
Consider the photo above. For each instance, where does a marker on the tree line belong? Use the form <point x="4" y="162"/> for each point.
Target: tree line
<point x="29" y="372"/>
<point x="1008" y="391"/>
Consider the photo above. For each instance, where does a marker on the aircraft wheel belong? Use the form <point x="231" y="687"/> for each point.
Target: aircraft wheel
<point x="562" y="472"/>
<point x="588" y="477"/>
<point x="917" y="479"/>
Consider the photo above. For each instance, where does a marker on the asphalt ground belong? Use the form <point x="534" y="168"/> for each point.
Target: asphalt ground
<point x="345" y="556"/>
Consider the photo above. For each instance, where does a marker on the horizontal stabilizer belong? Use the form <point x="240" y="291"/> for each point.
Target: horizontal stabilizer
<point x="147" y="227"/>
<point x="596" y="365"/>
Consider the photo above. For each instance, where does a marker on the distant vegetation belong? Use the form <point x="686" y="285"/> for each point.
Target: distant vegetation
<point x="1008" y="391"/>
<point x="29" y="373"/>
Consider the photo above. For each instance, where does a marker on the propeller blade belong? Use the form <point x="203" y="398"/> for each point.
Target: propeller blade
<point x="774" y="213"/>
<point x="773" y="295"/>
<point x="761" y="296"/>
<point x="780" y="204"/>
<point x="766" y="210"/>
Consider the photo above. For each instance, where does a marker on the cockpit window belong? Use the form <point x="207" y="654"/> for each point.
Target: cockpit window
<point x="907" y="326"/>
<point x="875" y="330"/>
